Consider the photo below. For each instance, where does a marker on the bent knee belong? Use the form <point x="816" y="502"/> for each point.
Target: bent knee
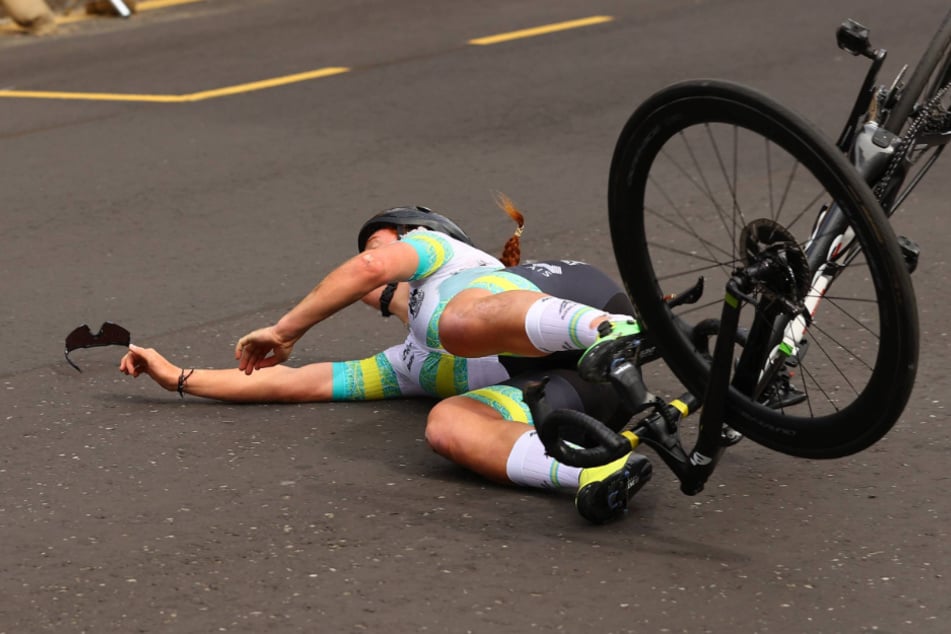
<point x="441" y="426"/>
<point x="465" y="320"/>
<point x="452" y="331"/>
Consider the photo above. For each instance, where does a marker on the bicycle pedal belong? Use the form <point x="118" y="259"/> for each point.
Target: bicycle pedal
<point x="781" y="392"/>
<point x="729" y="436"/>
<point x="910" y="251"/>
<point x="596" y="363"/>
<point x="783" y="396"/>
<point x="853" y="38"/>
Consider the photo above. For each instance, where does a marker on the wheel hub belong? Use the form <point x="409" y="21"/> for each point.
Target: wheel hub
<point x="787" y="278"/>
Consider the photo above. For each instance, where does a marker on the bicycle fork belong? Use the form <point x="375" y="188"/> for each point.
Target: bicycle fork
<point x="695" y="468"/>
<point x="560" y="430"/>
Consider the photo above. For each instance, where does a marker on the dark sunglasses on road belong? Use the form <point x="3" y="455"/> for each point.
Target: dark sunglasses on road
<point x="109" y="334"/>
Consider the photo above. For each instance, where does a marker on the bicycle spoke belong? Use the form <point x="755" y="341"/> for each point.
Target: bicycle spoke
<point x="700" y="182"/>
<point x="703" y="266"/>
<point x="809" y="382"/>
<point x="915" y="178"/>
<point x="714" y="182"/>
<point x="684" y="228"/>
<point x="855" y="356"/>
<point x="698" y="308"/>
<point x="807" y="210"/>
<point x="836" y="302"/>
<point x="730" y="183"/>
<point x="705" y="183"/>
<point x="773" y="212"/>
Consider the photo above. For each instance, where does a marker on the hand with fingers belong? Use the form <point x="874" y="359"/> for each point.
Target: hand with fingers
<point x="148" y="361"/>
<point x="262" y="348"/>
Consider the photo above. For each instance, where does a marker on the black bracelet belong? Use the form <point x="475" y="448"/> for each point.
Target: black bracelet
<point x="386" y="297"/>
<point x="181" y="381"/>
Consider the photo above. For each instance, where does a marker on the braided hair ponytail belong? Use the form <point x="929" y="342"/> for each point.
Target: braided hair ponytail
<point x="512" y="251"/>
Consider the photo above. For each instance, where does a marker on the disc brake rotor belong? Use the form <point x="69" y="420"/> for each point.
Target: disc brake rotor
<point x="764" y="238"/>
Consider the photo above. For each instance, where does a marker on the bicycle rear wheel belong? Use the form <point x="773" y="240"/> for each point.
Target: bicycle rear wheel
<point x="922" y="117"/>
<point x="928" y="77"/>
<point x="697" y="164"/>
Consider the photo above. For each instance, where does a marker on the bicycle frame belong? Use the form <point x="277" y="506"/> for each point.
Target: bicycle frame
<point x="872" y="150"/>
<point x="830" y="247"/>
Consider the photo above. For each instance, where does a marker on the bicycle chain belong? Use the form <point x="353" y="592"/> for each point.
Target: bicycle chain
<point x="927" y="120"/>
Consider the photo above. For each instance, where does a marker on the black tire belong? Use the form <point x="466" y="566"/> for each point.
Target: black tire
<point x="667" y="233"/>
<point x="917" y="124"/>
<point x="927" y="78"/>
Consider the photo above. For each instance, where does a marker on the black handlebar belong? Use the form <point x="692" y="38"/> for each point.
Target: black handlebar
<point x="605" y="445"/>
<point x="572" y="437"/>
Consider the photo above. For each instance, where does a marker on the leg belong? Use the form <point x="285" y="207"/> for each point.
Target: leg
<point x="490" y="432"/>
<point x="479" y="323"/>
<point x="532" y="310"/>
<point x="473" y="435"/>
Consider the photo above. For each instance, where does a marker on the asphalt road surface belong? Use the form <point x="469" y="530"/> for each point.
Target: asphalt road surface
<point x="151" y="181"/>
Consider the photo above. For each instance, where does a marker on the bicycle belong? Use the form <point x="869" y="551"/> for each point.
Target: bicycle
<point x="715" y="185"/>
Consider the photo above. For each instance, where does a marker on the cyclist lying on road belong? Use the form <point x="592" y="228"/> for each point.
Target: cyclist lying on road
<point x="478" y="333"/>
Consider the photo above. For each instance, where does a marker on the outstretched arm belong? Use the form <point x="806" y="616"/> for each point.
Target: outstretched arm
<point x="281" y="383"/>
<point x="348" y="283"/>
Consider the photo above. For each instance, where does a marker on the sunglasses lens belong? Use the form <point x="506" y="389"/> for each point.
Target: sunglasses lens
<point x="79" y="338"/>
<point x="109" y="334"/>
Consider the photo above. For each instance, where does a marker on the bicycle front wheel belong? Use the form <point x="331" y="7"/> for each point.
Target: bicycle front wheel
<point x="698" y="169"/>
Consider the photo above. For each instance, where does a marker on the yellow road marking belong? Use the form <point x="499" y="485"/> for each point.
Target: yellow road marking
<point x="540" y="30"/>
<point x="266" y="83"/>
<point x="195" y="96"/>
<point x="87" y="96"/>
<point x="147" y="5"/>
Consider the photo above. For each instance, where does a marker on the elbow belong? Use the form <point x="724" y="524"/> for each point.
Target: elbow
<point x="373" y="272"/>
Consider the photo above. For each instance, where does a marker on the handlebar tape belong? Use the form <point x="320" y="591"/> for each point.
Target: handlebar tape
<point x="601" y="444"/>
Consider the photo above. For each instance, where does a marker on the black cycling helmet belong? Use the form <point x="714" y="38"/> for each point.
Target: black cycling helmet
<point x="404" y="218"/>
